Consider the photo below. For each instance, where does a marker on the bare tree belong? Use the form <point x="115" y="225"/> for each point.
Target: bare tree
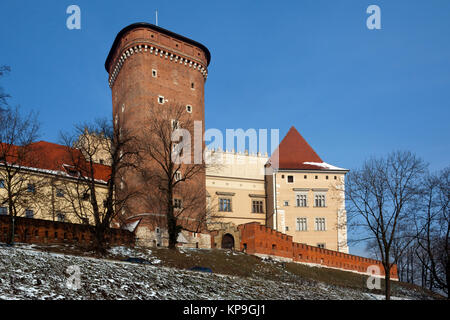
<point x="433" y="230"/>
<point x="18" y="159"/>
<point x="381" y="196"/>
<point x="3" y="96"/>
<point x="170" y="171"/>
<point x="95" y="148"/>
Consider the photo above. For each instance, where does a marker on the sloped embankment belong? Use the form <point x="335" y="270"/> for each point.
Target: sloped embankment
<point x="29" y="273"/>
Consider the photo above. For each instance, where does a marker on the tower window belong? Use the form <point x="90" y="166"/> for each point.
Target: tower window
<point x="192" y="85"/>
<point x="177" y="204"/>
<point x="160" y="99"/>
<point x="154" y="73"/>
<point x="189" y="108"/>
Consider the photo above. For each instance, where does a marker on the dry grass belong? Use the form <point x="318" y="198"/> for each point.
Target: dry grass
<point x="249" y="266"/>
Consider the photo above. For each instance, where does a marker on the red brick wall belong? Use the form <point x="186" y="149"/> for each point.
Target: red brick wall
<point x="256" y="238"/>
<point x="44" y="231"/>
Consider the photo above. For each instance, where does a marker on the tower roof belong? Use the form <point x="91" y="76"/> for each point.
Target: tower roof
<point x="156" y="28"/>
<point x="294" y="153"/>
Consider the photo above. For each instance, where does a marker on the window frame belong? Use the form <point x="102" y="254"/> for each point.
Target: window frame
<point x="27" y="215"/>
<point x="320" y="224"/>
<point x="320" y="200"/>
<point x="301" y="224"/>
<point x="299" y="200"/>
<point x="260" y="206"/>
<point x="228" y="207"/>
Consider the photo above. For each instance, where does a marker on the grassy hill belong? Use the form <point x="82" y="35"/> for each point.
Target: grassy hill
<point x="40" y="272"/>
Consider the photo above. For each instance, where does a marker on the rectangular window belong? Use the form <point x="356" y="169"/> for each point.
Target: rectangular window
<point x="31" y="188"/>
<point x="3" y="211"/>
<point x="177" y="176"/>
<point x="257" y="206"/>
<point x="290" y="179"/>
<point x="2" y="183"/>
<point x="302" y="224"/>
<point x="160" y="99"/>
<point x="177" y="203"/>
<point x="29" y="213"/>
<point x="320" y="224"/>
<point x="154" y="73"/>
<point x="60" y="193"/>
<point x="175" y="124"/>
<point x="302" y="200"/>
<point x="225" y="205"/>
<point x="60" y="216"/>
<point x="319" y="200"/>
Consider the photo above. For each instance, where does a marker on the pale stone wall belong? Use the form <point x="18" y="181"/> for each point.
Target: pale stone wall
<point x="284" y="212"/>
<point x="148" y="236"/>
<point x="52" y="195"/>
<point x="240" y="178"/>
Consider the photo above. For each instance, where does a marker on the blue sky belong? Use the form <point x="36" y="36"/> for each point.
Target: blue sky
<point x="351" y="92"/>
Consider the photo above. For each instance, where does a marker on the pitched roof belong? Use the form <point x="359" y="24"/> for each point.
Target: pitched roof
<point x="294" y="153"/>
<point x="51" y="157"/>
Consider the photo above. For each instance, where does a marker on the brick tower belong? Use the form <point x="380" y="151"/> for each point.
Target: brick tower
<point x="151" y="67"/>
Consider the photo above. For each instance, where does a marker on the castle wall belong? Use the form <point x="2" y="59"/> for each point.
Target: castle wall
<point x="39" y="231"/>
<point x="261" y="240"/>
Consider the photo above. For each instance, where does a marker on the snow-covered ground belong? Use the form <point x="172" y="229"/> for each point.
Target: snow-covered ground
<point x="26" y="273"/>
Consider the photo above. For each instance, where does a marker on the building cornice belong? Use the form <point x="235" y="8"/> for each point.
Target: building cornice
<point x="147" y="46"/>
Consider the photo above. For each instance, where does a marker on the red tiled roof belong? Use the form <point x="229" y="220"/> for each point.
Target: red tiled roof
<point x="51" y="156"/>
<point x="295" y="153"/>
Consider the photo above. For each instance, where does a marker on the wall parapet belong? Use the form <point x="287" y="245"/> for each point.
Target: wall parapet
<point x="259" y="239"/>
<point x="38" y="231"/>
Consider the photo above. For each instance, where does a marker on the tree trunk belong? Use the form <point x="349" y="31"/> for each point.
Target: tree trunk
<point x="387" y="283"/>
<point x="173" y="231"/>
<point x="100" y="241"/>
<point x="10" y="239"/>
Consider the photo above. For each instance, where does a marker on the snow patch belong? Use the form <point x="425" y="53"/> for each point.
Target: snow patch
<point x="324" y="165"/>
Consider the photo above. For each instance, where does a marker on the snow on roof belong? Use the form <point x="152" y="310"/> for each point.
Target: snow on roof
<point x="324" y="165"/>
